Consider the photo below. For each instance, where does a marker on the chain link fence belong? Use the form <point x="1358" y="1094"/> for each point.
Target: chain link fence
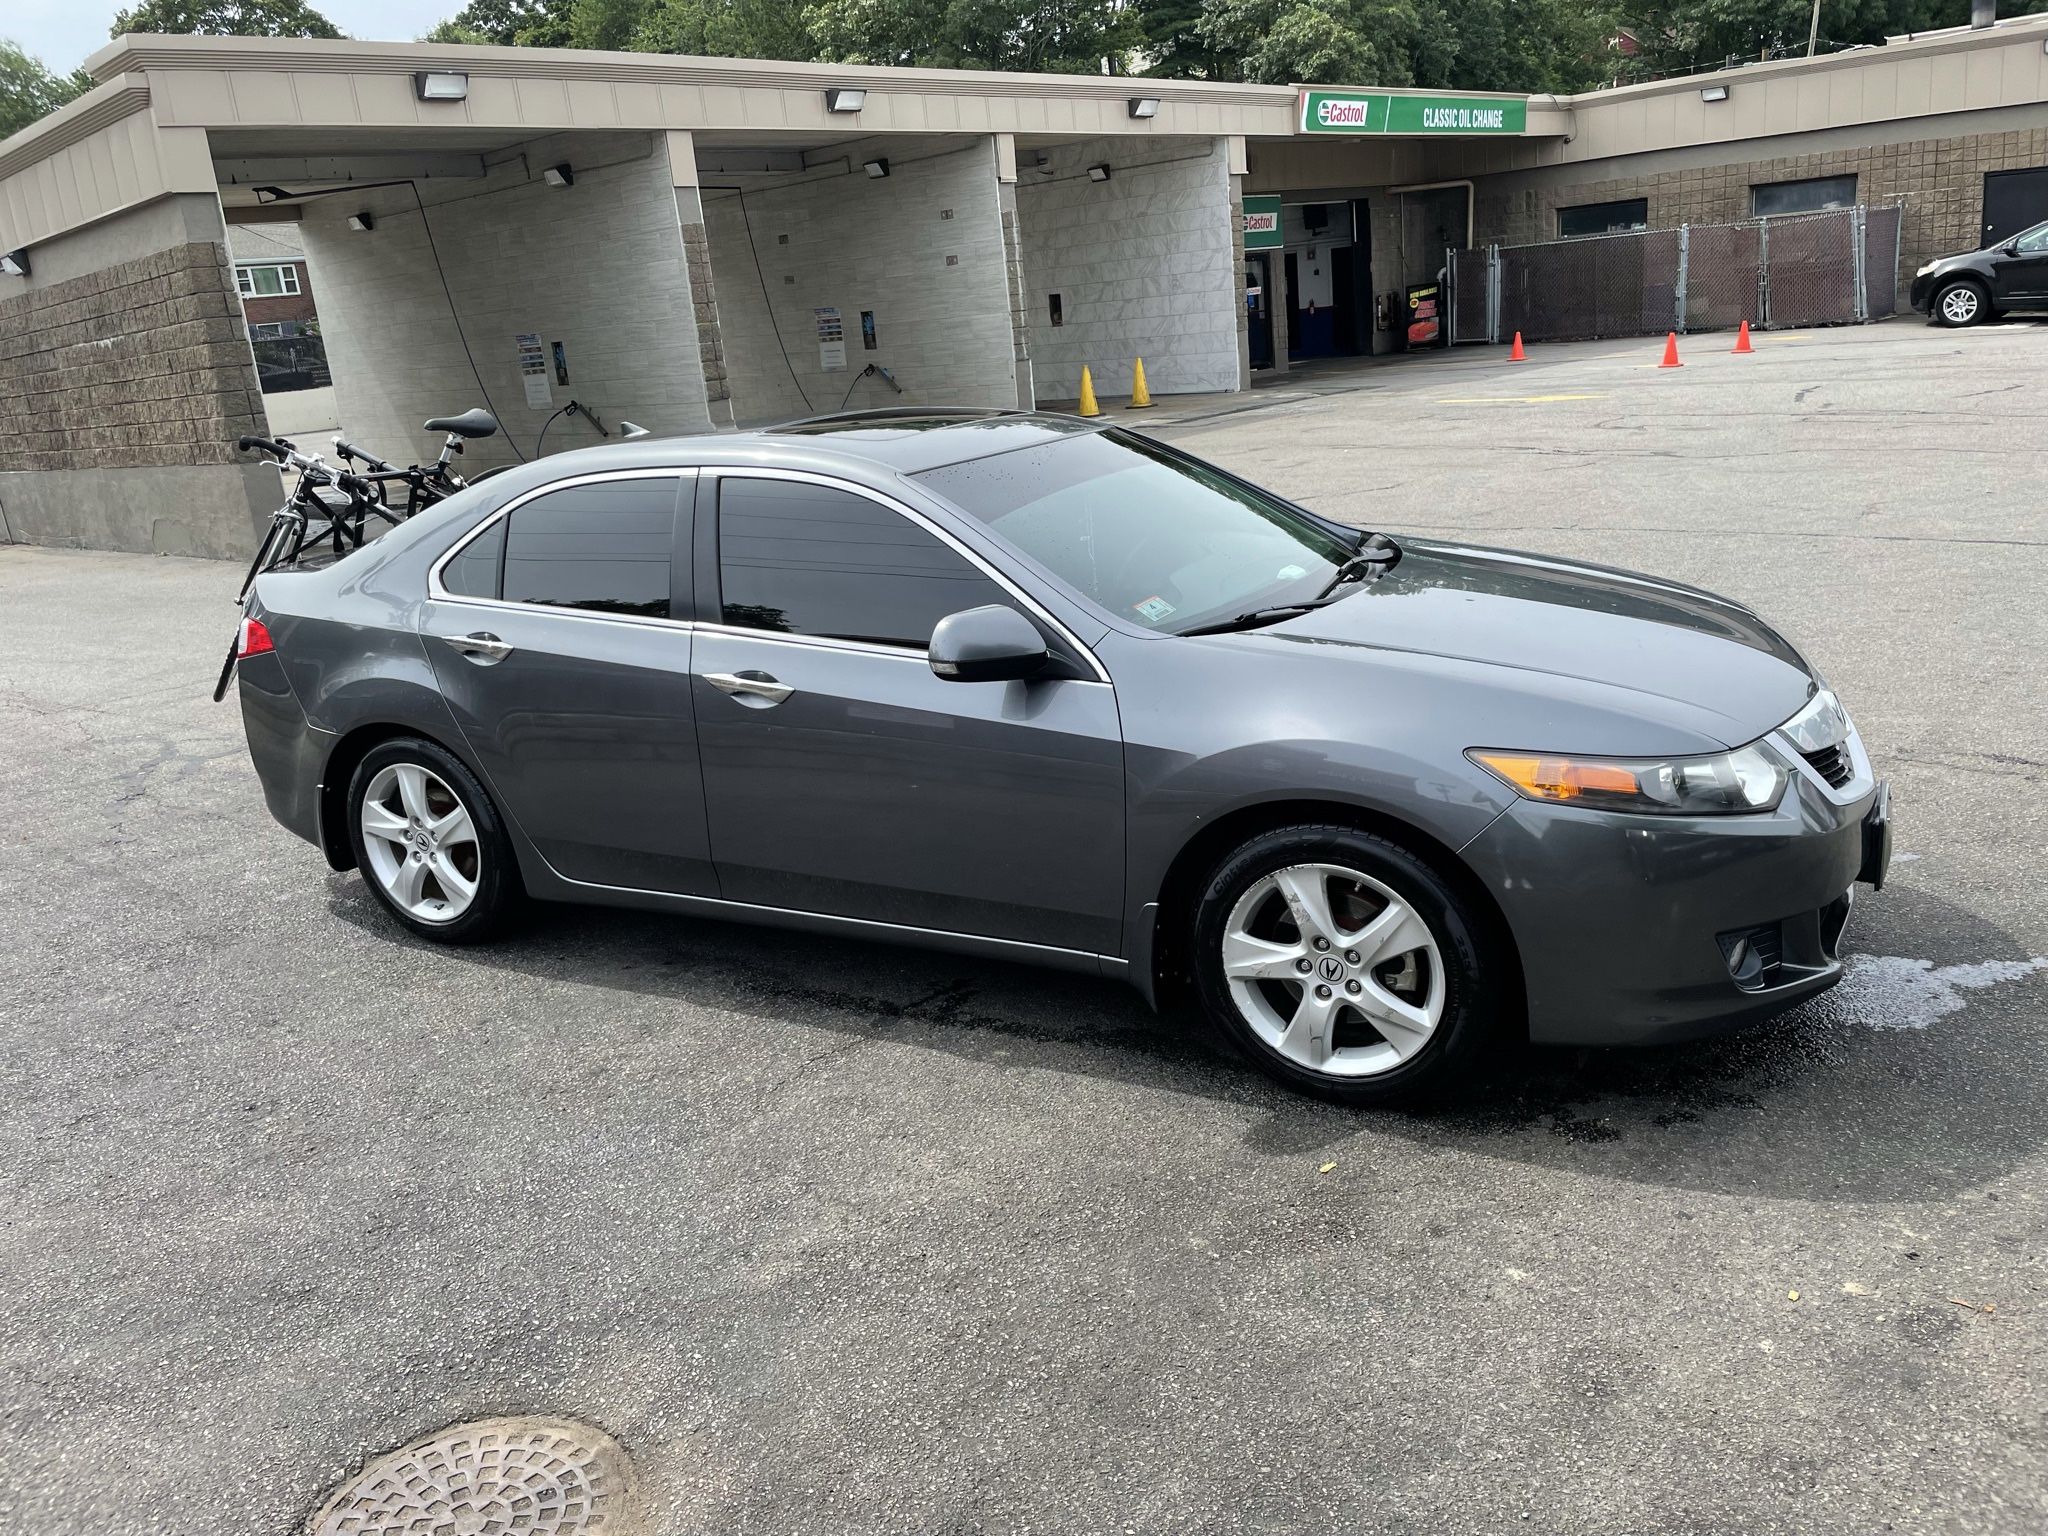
<point x="1834" y="268"/>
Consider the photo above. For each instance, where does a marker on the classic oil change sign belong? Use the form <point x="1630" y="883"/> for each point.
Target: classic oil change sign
<point x="1378" y="112"/>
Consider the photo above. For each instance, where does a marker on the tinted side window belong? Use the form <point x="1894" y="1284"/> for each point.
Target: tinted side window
<point x="810" y="560"/>
<point x="605" y="547"/>
<point x="474" y="572"/>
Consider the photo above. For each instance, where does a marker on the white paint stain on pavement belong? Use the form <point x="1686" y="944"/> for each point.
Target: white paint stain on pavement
<point x="1894" y="992"/>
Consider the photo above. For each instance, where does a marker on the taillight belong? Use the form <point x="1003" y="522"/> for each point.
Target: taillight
<point x="253" y="641"/>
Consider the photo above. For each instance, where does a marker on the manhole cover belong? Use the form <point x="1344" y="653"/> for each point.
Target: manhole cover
<point x="500" y="1477"/>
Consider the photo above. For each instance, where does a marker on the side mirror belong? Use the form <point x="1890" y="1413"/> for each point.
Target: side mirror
<point x="987" y="645"/>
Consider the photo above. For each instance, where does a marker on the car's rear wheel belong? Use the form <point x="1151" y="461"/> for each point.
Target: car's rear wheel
<point x="429" y="842"/>
<point x="1344" y="965"/>
<point x="1962" y="303"/>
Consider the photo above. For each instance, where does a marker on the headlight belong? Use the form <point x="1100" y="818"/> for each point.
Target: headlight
<point x="1728" y="783"/>
<point x="1927" y="269"/>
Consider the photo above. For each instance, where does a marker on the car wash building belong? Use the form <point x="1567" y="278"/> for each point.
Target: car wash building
<point x="697" y="243"/>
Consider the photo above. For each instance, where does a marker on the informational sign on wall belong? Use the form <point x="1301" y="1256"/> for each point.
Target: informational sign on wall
<point x="831" y="340"/>
<point x="1378" y="112"/>
<point x="533" y="370"/>
<point x="1262" y="223"/>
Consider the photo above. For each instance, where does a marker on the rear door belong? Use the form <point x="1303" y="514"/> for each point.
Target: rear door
<point x="2013" y="201"/>
<point x="842" y="776"/>
<point x="557" y="634"/>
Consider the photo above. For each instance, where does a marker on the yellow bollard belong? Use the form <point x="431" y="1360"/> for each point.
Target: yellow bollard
<point x="1088" y="405"/>
<point x="1140" y="395"/>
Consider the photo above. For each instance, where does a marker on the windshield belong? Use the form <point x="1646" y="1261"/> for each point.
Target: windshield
<point x="1157" y="539"/>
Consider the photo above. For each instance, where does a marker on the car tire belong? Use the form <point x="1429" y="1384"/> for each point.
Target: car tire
<point x="1401" y="991"/>
<point x="429" y="843"/>
<point x="1961" y="303"/>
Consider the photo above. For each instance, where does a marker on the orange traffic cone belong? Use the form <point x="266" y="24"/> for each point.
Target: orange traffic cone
<point x="1742" y="339"/>
<point x="1515" y="353"/>
<point x="1671" y="351"/>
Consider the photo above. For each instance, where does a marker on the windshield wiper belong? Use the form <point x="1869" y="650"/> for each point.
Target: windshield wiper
<point x="1262" y="616"/>
<point x="1375" y="552"/>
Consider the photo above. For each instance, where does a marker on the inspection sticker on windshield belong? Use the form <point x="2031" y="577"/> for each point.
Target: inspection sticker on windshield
<point x="1153" y="609"/>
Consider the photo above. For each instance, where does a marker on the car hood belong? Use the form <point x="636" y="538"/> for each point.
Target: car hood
<point x="1722" y="664"/>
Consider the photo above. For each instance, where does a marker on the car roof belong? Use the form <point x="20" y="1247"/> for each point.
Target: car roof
<point x="871" y="446"/>
<point x="912" y="440"/>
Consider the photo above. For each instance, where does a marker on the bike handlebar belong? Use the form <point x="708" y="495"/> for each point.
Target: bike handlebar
<point x="275" y="450"/>
<point x="349" y="450"/>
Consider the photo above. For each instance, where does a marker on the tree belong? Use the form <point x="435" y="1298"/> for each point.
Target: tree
<point x="1706" y="34"/>
<point x="501" y="21"/>
<point x="1348" y="42"/>
<point x="30" y="89"/>
<point x="727" y="29"/>
<point x="226" y="18"/>
<point x="1048" y="36"/>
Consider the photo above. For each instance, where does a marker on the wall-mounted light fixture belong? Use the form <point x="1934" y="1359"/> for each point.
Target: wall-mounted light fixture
<point x="559" y="175"/>
<point x="1714" y="93"/>
<point x="845" y="98"/>
<point x="1144" y="106"/>
<point x="1098" y="173"/>
<point x="876" y="169"/>
<point x="361" y="220"/>
<point x="440" y="84"/>
<point x="15" y="263"/>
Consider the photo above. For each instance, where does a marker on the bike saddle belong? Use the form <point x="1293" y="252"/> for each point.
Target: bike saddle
<point x="476" y="423"/>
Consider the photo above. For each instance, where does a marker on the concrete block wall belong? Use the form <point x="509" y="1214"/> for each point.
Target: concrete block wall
<point x="921" y="247"/>
<point x="598" y="265"/>
<point x="125" y="377"/>
<point x="1144" y="263"/>
<point x="1940" y="183"/>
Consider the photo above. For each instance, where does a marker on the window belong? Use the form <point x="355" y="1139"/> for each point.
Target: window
<point x="2034" y="242"/>
<point x="266" y="282"/>
<point x="474" y="572"/>
<point x="1603" y="218"/>
<point x="1802" y="196"/>
<point x="603" y="547"/>
<point x="811" y="560"/>
<point x="269" y="331"/>
<point x="1156" y="539"/>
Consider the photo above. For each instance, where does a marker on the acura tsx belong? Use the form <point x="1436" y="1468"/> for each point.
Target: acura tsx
<point x="1027" y="686"/>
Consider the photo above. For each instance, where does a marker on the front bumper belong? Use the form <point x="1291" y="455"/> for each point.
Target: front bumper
<point x="1921" y="294"/>
<point x="1644" y="929"/>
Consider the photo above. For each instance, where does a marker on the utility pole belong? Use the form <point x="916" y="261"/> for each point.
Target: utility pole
<point x="1813" y="32"/>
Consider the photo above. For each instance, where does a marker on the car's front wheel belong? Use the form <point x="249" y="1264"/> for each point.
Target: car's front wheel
<point x="429" y="842"/>
<point x="1962" y="303"/>
<point x="1344" y="965"/>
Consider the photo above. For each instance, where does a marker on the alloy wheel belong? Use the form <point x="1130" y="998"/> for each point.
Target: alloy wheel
<point x="1333" y="970"/>
<point x="421" y="843"/>
<point x="1959" y="306"/>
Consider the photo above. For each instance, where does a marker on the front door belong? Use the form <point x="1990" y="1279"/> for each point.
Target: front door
<point x="2022" y="276"/>
<point x="841" y="776"/>
<point x="553" y="637"/>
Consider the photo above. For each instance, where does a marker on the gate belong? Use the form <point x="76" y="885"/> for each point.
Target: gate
<point x="1834" y="268"/>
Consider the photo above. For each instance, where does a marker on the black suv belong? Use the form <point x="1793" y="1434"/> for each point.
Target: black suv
<point x="1961" y="290"/>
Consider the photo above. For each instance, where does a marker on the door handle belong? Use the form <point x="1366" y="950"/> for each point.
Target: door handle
<point x="749" y="686"/>
<point x="483" y="649"/>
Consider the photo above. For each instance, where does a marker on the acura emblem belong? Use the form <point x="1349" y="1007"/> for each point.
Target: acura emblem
<point x="1330" y="968"/>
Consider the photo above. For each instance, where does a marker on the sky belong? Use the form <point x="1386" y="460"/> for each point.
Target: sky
<point x="63" y="32"/>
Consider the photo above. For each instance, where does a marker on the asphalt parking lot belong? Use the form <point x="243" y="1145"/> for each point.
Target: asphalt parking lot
<point x="849" y="1239"/>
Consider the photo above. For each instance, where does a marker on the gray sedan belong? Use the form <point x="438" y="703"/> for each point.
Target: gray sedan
<point x="1025" y="686"/>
